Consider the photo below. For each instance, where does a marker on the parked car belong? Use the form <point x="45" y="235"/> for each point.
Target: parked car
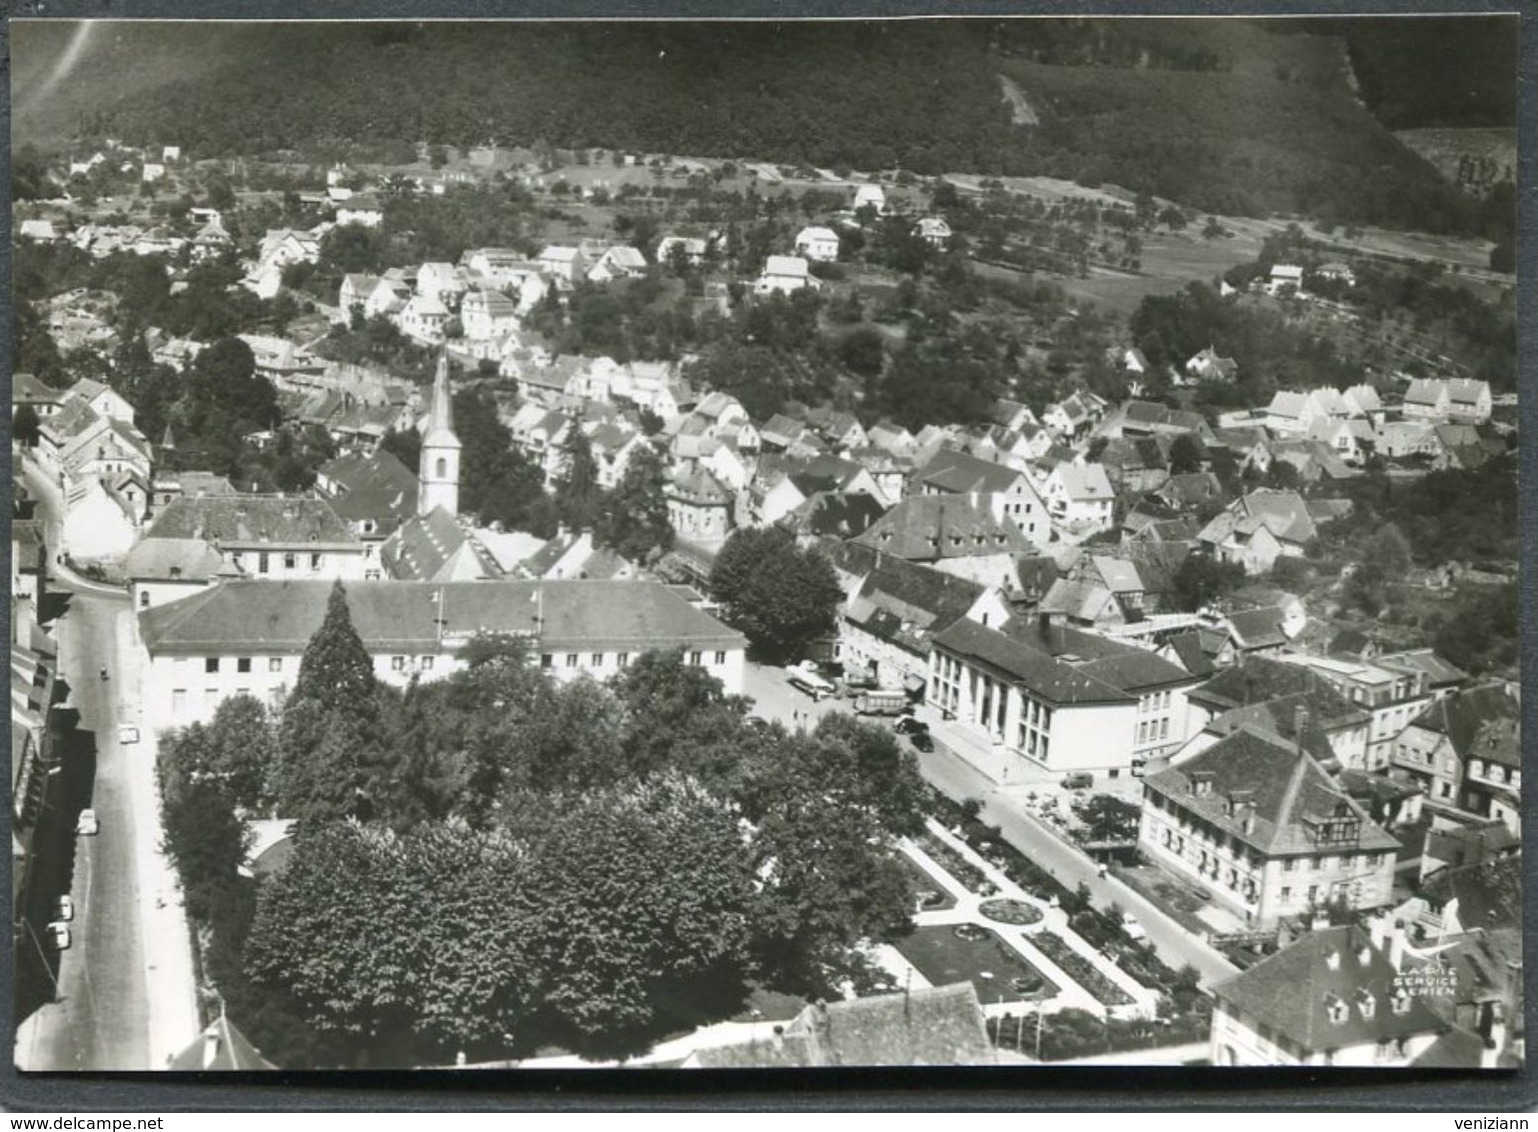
<point x="907" y="725"/>
<point x="58" y="936"/>
<point x="64" y="908"/>
<point x="921" y="741"/>
<point x="1130" y="925"/>
<point x="127" y="734"/>
<point x="1079" y="780"/>
<point x="87" y="825"/>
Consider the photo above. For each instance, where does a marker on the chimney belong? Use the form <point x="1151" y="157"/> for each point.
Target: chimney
<point x="1396" y="946"/>
<point x="1332" y="960"/>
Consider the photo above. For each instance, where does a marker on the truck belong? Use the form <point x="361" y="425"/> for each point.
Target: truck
<point x="876" y="702"/>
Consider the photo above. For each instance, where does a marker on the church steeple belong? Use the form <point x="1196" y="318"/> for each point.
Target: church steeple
<point x="439" y="469"/>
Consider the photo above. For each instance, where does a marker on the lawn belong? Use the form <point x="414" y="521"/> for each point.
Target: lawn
<point x="942" y="957"/>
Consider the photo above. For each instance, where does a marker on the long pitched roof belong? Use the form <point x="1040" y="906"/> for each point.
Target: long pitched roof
<point x="930" y="1026"/>
<point x="953" y="471"/>
<point x="281" y="616"/>
<point x="928" y="527"/>
<point x="1292" y="991"/>
<point x="1287" y="787"/>
<point x="252" y="520"/>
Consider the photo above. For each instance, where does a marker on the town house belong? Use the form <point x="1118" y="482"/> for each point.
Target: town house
<point x="1259" y="823"/>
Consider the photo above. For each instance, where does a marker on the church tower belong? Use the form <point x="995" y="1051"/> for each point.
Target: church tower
<point x="439" y="469"/>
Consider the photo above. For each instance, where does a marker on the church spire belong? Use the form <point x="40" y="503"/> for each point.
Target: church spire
<point x="441" y="416"/>
<point x="438" y="472"/>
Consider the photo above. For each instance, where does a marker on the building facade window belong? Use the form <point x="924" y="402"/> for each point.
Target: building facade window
<point x="572" y="660"/>
<point x="397" y="664"/>
<point x="242" y="664"/>
<point x="211" y="664"/>
<point x="721" y="657"/>
<point x="622" y="660"/>
<point x="274" y="664"/>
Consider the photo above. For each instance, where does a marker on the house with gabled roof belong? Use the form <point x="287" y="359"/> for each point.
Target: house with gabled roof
<point x="372" y="492"/>
<point x="933" y="230"/>
<point x="1079" y="499"/>
<point x="1135" y="465"/>
<point x="436" y="547"/>
<point x="699" y="505"/>
<point x="1009" y="494"/>
<point x="1464" y="751"/>
<point x="1257" y="529"/>
<point x="785" y="275"/>
<point x="1448" y="399"/>
<point x="1340" y="996"/>
<point x="832" y="514"/>
<point x="889" y="619"/>
<point x="1209" y="365"/>
<point x="1363" y="400"/>
<point x="925" y="1026"/>
<point x="1073" y="417"/>
<point x="1149" y="418"/>
<point x="268" y="536"/>
<point x="487" y="314"/>
<point x="818" y="244"/>
<point x="563" y="263"/>
<point x="1259" y="823"/>
<point x="950" y="533"/>
<point x="1057" y="698"/>
<point x="1013" y="415"/>
<point x="617" y="262"/>
<point x="893" y="438"/>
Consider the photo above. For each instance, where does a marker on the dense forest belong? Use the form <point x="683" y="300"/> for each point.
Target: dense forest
<point x="1226" y="116"/>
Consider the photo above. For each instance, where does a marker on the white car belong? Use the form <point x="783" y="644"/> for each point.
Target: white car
<point x="1130" y="925"/>
<point x="58" y="936"/>
<point x="64" y="909"/>
<point x="87" y="825"/>
<point x="127" y="734"/>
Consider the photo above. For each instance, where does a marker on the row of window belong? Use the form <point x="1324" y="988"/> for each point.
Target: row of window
<point x="213" y="664"/>
<point x="621" y="659"/>
<point x="1219" y="841"/>
<point x="290" y="561"/>
<point x="1155" y="701"/>
<point x="1150" y="730"/>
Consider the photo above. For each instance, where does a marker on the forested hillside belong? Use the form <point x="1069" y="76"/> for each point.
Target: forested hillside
<point x="1221" y="115"/>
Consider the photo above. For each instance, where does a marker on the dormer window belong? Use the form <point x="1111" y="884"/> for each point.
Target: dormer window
<point x="1336" y="1009"/>
<point x="1401" y="1001"/>
<point x="1366" y="1003"/>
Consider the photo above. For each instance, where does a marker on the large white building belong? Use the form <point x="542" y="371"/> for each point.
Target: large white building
<point x="249" y="637"/>
<point x="1057" y="698"/>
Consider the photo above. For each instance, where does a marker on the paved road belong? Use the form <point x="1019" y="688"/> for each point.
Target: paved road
<point x="126" y="997"/>
<point x="102" y="1018"/>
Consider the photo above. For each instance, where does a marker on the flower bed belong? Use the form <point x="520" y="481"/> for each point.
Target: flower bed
<point x="1080" y="969"/>
<point x="1007" y="911"/>
<point x="963" y="870"/>
<point x="928" y="894"/>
